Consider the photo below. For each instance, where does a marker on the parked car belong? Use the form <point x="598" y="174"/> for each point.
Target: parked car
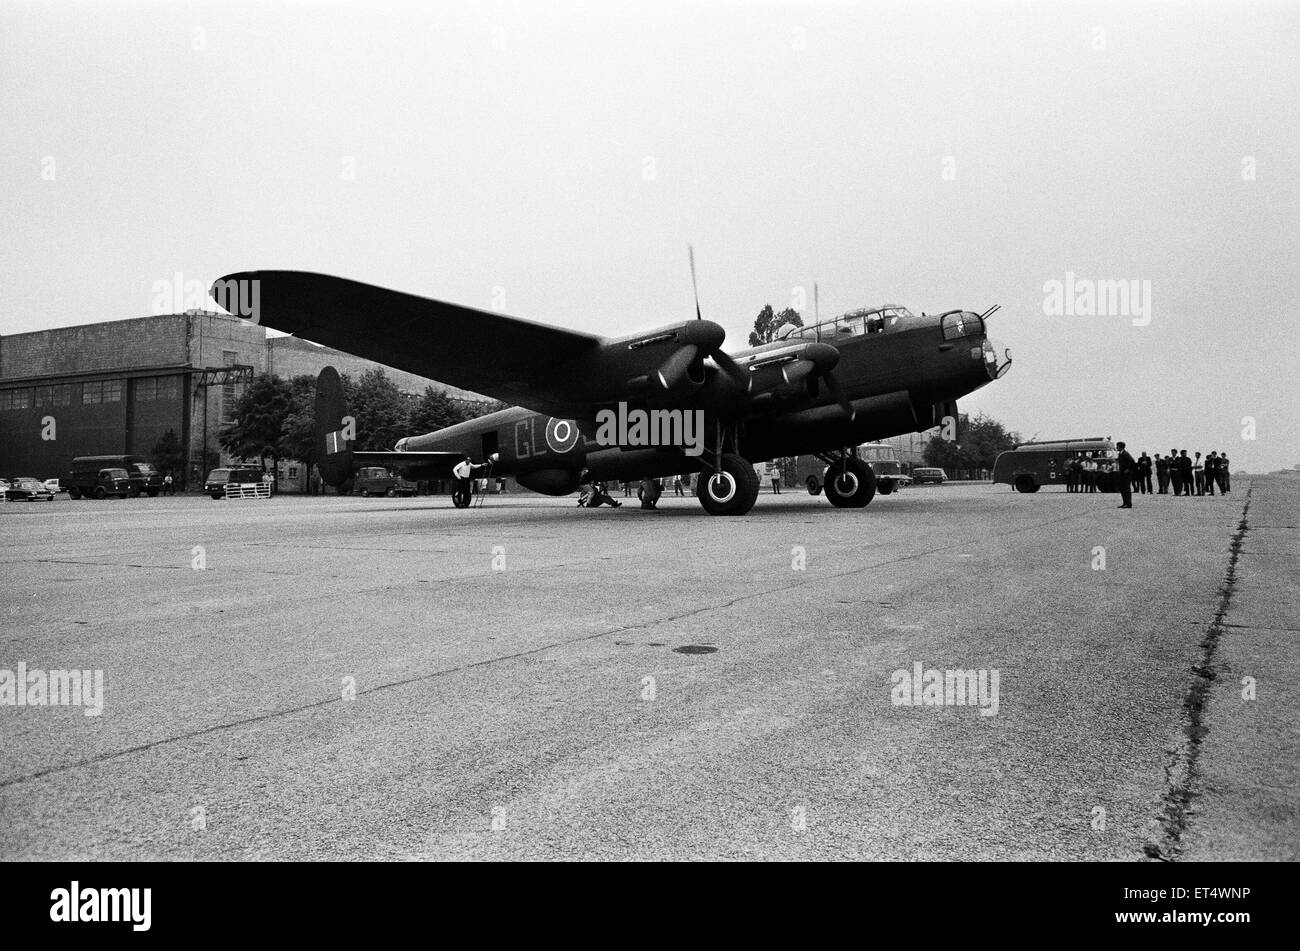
<point x="376" y="480"/>
<point x="99" y="483"/>
<point x="55" y="486"/>
<point x="215" y="483"/>
<point x="27" y="489"/>
<point x="4" y="484"/>
<point x="935" y="476"/>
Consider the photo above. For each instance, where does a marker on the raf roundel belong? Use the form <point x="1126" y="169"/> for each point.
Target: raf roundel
<point x="561" y="435"/>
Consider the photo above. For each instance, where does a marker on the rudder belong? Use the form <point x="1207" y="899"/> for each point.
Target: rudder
<point x="336" y="431"/>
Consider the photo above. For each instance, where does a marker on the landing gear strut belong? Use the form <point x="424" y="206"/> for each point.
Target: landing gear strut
<point x="728" y="484"/>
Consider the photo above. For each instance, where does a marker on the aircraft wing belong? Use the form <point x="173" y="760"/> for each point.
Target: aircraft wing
<point x="507" y="358"/>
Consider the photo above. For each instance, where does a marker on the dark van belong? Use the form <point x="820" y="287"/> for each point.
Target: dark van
<point x="92" y="483"/>
<point x="215" y="483"/>
<point x="144" y="478"/>
<point x="376" y="480"/>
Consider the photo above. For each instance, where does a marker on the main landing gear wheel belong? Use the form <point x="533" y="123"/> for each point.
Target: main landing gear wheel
<point x="732" y="491"/>
<point x="850" y="483"/>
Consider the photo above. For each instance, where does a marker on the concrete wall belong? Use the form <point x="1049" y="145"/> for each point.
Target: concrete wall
<point x="116" y="345"/>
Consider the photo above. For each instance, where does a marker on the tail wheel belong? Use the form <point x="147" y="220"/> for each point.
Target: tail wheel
<point x="850" y="483"/>
<point x="814" y="487"/>
<point x="732" y="490"/>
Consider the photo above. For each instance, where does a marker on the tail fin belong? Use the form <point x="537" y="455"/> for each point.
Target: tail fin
<point x="336" y="431"/>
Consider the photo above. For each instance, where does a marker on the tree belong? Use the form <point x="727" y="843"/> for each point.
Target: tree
<point x="976" y="445"/>
<point x="380" y="408"/>
<point x="299" y="435"/>
<point x="167" y="455"/>
<point x="767" y="325"/>
<point x="985" y="438"/>
<point x="257" y="424"/>
<point x="434" y="409"/>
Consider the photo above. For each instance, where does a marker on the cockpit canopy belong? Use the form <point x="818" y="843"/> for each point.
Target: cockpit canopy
<point x="869" y="320"/>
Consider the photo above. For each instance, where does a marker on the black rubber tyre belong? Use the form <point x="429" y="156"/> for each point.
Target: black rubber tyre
<point x="99" y="492"/>
<point x="1026" y="484"/>
<point x="850" y="483"/>
<point x="365" y="493"/>
<point x="391" y="493"/>
<point x="885" y="487"/>
<point x="814" y="487"/>
<point x="733" y="491"/>
<point x="74" y="494"/>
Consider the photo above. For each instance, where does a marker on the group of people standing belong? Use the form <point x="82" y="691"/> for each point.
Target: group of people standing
<point x="1188" y="475"/>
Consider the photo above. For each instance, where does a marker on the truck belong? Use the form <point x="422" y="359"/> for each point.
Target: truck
<point x="882" y="457"/>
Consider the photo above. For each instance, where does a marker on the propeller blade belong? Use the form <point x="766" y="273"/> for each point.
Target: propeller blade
<point x="675" y="368"/>
<point x="694" y="286"/>
<point x="794" y="372"/>
<point x="833" y="385"/>
<point x="732" y="368"/>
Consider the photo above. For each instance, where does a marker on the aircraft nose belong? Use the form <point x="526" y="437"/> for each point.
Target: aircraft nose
<point x="997" y="359"/>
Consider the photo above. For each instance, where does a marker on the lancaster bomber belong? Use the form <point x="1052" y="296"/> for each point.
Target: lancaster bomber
<point x="587" y="406"/>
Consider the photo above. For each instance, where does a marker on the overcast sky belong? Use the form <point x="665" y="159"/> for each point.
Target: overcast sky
<point x="555" y="158"/>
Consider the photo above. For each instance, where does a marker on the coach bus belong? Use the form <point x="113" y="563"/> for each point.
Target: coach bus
<point x="883" y="459"/>
<point x="1032" y="465"/>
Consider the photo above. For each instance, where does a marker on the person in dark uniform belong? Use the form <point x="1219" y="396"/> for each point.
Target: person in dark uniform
<point x="648" y="492"/>
<point x="1175" y="472"/>
<point x="1127" y="466"/>
<point x="1186" y="471"/>
<point x="1211" y="472"/>
<point x="1162" y="474"/>
<point x="1144" y="473"/>
<point x="1071" y="474"/>
<point x="1225" y="477"/>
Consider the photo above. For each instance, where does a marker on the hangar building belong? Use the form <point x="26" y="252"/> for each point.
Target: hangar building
<point x="119" y="386"/>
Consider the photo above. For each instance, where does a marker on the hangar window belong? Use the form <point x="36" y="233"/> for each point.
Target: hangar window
<point x="92" y="393"/>
<point x="169" y="387"/>
<point x="43" y="396"/>
<point x="15" y="399"/>
<point x="63" y="394"/>
<point x="112" y="391"/>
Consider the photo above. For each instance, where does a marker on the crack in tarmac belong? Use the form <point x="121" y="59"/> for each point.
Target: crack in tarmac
<point x="1180" y="773"/>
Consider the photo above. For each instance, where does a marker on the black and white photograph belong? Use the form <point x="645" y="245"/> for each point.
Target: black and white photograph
<point x="642" y="432"/>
